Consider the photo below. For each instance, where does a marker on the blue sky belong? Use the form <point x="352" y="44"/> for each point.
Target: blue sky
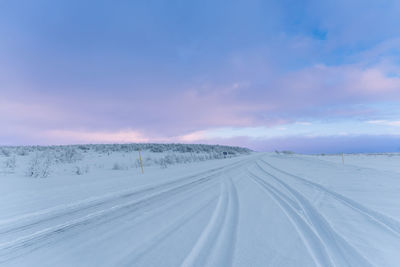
<point x="311" y="76"/>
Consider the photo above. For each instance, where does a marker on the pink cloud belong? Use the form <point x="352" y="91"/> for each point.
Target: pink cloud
<point x="322" y="84"/>
<point x="216" y="107"/>
<point x="373" y="81"/>
<point x="125" y="136"/>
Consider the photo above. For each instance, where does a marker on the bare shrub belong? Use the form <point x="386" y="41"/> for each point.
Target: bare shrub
<point x="22" y="152"/>
<point x="5" y="152"/>
<point x="119" y="166"/>
<point x="68" y="155"/>
<point x="163" y="163"/>
<point x="80" y="170"/>
<point x="39" y="166"/>
<point x="11" y="163"/>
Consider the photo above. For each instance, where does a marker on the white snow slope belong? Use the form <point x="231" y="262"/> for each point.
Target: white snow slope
<point x="254" y="210"/>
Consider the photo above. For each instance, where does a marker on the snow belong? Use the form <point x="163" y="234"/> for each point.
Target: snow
<point x="257" y="209"/>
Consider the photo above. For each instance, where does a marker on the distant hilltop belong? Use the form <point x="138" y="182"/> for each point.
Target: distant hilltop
<point x="152" y="147"/>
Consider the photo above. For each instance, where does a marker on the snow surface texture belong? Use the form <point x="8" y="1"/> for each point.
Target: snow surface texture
<point x="257" y="209"/>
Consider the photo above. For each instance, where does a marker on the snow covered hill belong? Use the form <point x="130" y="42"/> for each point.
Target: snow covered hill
<point x="253" y="209"/>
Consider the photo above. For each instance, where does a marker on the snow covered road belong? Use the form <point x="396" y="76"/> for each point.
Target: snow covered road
<point x="257" y="210"/>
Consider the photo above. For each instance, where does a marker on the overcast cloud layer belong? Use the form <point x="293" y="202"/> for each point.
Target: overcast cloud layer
<point x="310" y="76"/>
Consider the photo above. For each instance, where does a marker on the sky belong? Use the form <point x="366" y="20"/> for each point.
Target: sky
<point x="307" y="76"/>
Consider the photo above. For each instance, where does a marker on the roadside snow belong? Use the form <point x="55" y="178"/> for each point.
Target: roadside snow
<point x="259" y="209"/>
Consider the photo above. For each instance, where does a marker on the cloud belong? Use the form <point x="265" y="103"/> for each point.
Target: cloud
<point x="319" y="144"/>
<point x="343" y="81"/>
<point x="266" y="70"/>
<point x="303" y="123"/>
<point x="385" y="122"/>
<point x="354" y="23"/>
<point x="307" y="92"/>
<point x="125" y="136"/>
<point x="331" y="144"/>
<point x="192" y="137"/>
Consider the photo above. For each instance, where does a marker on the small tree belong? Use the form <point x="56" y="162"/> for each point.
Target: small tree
<point x="11" y="163"/>
<point x="80" y="170"/>
<point x="39" y="166"/>
<point x="5" y="152"/>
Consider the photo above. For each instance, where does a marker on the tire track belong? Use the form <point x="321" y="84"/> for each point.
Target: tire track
<point x="126" y="208"/>
<point x="375" y="217"/>
<point x="135" y="216"/>
<point x="216" y="243"/>
<point x="223" y="252"/>
<point x="26" y="223"/>
<point x="340" y="251"/>
<point x="43" y="233"/>
<point x="147" y="245"/>
<point x="314" y="245"/>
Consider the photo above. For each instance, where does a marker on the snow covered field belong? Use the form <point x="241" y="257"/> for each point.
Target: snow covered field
<point x="253" y="209"/>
